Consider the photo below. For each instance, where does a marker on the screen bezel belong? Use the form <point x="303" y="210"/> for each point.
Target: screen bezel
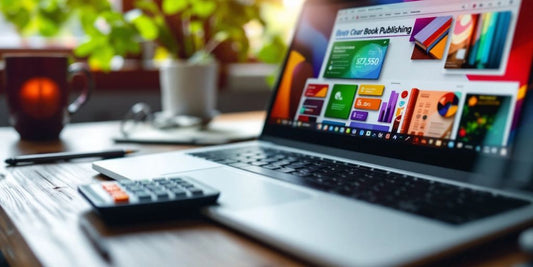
<point x="464" y="160"/>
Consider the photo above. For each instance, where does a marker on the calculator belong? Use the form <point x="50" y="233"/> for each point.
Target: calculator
<point x="156" y="196"/>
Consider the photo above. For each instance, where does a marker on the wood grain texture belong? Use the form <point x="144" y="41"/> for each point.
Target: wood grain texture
<point x="41" y="216"/>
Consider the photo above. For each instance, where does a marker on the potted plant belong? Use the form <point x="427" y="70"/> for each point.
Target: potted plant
<point x="191" y="33"/>
<point x="182" y="27"/>
<point x="196" y="35"/>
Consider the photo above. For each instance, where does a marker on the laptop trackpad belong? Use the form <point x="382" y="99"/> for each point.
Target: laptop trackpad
<point x="241" y="190"/>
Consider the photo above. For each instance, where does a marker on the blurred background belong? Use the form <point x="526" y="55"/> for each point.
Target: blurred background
<point x="125" y="41"/>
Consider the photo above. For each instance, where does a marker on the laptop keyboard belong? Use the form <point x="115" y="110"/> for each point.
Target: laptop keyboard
<point x="435" y="200"/>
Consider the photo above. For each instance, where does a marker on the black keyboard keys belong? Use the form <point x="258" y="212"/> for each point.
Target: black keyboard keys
<point x="444" y="202"/>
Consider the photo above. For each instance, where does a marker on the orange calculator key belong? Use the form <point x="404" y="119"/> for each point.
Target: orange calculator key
<point x="110" y="187"/>
<point x="120" y="197"/>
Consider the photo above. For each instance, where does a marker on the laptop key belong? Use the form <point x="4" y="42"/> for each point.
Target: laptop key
<point x="286" y="170"/>
<point x="271" y="167"/>
<point x="260" y="163"/>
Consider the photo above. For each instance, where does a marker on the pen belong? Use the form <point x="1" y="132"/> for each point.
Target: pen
<point x="62" y="156"/>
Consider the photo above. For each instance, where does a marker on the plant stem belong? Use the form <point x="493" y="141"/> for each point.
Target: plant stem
<point x="187" y="41"/>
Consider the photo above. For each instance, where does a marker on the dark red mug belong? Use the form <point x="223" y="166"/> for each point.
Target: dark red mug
<point x="37" y="89"/>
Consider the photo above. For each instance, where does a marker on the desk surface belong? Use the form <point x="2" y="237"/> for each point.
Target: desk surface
<point x="42" y="211"/>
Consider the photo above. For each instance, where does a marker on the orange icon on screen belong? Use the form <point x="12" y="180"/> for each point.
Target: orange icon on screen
<point x="40" y="97"/>
<point x="367" y="103"/>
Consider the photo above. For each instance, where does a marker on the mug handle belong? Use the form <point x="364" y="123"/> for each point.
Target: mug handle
<point x="75" y="69"/>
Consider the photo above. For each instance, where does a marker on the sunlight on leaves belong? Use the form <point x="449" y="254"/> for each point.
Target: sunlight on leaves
<point x="174" y="6"/>
<point x="146" y="27"/>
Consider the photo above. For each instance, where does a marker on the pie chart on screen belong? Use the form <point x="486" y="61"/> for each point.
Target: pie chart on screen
<point x="448" y="104"/>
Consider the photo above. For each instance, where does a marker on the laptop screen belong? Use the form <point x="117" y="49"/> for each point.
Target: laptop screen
<point x="438" y="82"/>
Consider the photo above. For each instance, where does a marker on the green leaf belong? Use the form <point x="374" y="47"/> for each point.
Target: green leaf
<point x="101" y="58"/>
<point x="21" y="20"/>
<point x="147" y="28"/>
<point x="174" y="6"/>
<point x="167" y="40"/>
<point x="46" y="27"/>
<point x="87" y="19"/>
<point x="272" y="79"/>
<point x="85" y="48"/>
<point x="196" y="27"/>
<point x="147" y="5"/>
<point x="273" y="50"/>
<point x="203" y="9"/>
<point x="29" y="5"/>
<point x="124" y="40"/>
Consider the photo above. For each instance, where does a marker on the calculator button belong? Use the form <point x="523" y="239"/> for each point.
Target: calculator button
<point x="123" y="201"/>
<point x="161" y="194"/>
<point x="120" y="197"/>
<point x="142" y="191"/>
<point x="144" y="197"/>
<point x="170" y="186"/>
<point x="126" y="182"/>
<point x="133" y="187"/>
<point x="196" y="191"/>
<point x="154" y="187"/>
<point x="179" y="192"/>
<point x="110" y="187"/>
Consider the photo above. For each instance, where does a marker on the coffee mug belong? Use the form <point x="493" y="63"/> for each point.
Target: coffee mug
<point x="189" y="89"/>
<point x="37" y="89"/>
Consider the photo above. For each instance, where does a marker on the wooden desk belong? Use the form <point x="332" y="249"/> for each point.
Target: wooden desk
<point x="42" y="211"/>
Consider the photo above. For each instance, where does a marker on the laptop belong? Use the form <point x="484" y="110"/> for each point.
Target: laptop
<point x="398" y="132"/>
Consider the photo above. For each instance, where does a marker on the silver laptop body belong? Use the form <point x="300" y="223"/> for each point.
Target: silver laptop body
<point x="332" y="229"/>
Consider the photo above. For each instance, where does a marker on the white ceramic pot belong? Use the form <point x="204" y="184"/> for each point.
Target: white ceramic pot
<point x="189" y="89"/>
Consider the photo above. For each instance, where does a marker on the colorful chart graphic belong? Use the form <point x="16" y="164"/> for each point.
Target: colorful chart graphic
<point x="430" y="113"/>
<point x="448" y="105"/>
<point x="387" y="109"/>
<point x="357" y="59"/>
<point x="478" y="41"/>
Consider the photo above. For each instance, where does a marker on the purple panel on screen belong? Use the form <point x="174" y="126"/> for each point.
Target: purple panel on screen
<point x="392" y="104"/>
<point x="359" y="115"/>
<point x="366" y="126"/>
<point x="382" y="112"/>
<point x="312" y="107"/>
